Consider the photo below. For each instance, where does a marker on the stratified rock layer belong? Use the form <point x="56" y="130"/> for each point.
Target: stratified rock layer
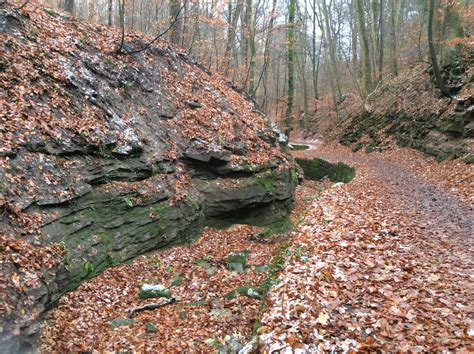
<point x="106" y="156"/>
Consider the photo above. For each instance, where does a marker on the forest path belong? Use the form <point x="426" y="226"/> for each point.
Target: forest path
<point x="384" y="262"/>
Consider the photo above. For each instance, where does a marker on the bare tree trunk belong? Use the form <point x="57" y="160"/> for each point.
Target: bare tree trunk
<point x="422" y="26"/>
<point x="109" y="12"/>
<point x="331" y="42"/>
<point x="365" y="47"/>
<point x="434" y="59"/>
<point x="122" y="24"/>
<point x="231" y="36"/>
<point x="354" y="38"/>
<point x="68" y="5"/>
<point x="303" y="69"/>
<point x="251" y="48"/>
<point x="381" y="40"/>
<point x="291" y="67"/>
<point x="395" y="8"/>
<point x="266" y="55"/>
<point x="373" y="35"/>
<point x="174" y="9"/>
<point x="315" y="61"/>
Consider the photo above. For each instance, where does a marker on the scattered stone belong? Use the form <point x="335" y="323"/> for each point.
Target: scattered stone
<point x="237" y="261"/>
<point x="121" y="322"/>
<point x="194" y="104"/>
<point x="249" y="291"/>
<point x="151" y="328"/>
<point x="154" y="290"/>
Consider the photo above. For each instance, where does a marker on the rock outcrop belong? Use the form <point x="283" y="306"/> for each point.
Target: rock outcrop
<point x="410" y="111"/>
<point x="106" y="156"/>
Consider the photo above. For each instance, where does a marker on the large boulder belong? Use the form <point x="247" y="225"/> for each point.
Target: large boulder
<point x="106" y="156"/>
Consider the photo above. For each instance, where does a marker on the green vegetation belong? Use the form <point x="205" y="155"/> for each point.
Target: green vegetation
<point x="317" y="169"/>
<point x="250" y="291"/>
<point x="237" y="261"/>
<point x="268" y="181"/>
<point x="277" y="227"/>
<point x="121" y="321"/>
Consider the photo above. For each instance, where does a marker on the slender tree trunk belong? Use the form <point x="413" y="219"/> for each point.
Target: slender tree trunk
<point x="381" y="40"/>
<point x="109" y="12"/>
<point x="266" y="55"/>
<point x="251" y="48"/>
<point x="395" y="8"/>
<point x="291" y="67"/>
<point x="185" y="24"/>
<point x="331" y="42"/>
<point x="422" y="27"/>
<point x="365" y="47"/>
<point x="373" y="35"/>
<point x="122" y="24"/>
<point x="434" y="59"/>
<point x="174" y="9"/>
<point x="354" y="38"/>
<point x="68" y="5"/>
<point x="231" y="36"/>
<point x="303" y="69"/>
<point x="313" y="57"/>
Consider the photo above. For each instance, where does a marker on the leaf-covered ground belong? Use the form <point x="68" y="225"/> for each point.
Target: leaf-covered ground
<point x="387" y="261"/>
<point x="382" y="263"/>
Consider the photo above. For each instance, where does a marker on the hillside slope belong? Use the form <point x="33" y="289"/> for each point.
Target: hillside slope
<point x="409" y="111"/>
<point x="105" y="156"/>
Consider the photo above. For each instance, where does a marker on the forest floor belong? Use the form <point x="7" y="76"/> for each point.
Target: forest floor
<point x="382" y="263"/>
<point x="386" y="261"/>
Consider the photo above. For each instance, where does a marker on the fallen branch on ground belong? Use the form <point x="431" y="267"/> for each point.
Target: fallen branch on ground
<point x="132" y="311"/>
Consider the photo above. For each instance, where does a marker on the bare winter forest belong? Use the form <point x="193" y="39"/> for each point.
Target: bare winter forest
<point x="236" y="176"/>
<point x="293" y="56"/>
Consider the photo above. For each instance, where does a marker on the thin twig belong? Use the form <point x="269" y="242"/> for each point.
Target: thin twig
<point x="132" y="311"/>
<point x="176" y="18"/>
<point x="23" y="5"/>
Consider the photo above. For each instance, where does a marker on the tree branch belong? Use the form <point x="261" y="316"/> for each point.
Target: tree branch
<point x="132" y="311"/>
<point x="176" y="18"/>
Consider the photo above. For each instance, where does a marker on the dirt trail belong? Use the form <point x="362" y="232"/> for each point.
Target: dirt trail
<point x="428" y="206"/>
<point x="388" y="265"/>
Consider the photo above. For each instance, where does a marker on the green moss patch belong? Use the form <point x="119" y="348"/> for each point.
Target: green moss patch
<point x="317" y="169"/>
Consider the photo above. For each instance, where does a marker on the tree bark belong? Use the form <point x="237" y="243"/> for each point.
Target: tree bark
<point x="434" y="59"/>
<point x="174" y="9"/>
<point x="250" y="38"/>
<point x="381" y="40"/>
<point x="395" y="8"/>
<point x="365" y="48"/>
<point x="122" y="24"/>
<point x="68" y="5"/>
<point x="109" y="12"/>
<point x="291" y="67"/>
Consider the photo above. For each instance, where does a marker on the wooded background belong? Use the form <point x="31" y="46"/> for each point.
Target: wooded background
<point x="292" y="56"/>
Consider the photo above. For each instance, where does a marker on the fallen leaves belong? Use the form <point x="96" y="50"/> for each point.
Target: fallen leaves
<point x="389" y="264"/>
<point x="202" y="315"/>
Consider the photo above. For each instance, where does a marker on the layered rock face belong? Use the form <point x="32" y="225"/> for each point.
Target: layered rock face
<point x="410" y="110"/>
<point x="106" y="156"/>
